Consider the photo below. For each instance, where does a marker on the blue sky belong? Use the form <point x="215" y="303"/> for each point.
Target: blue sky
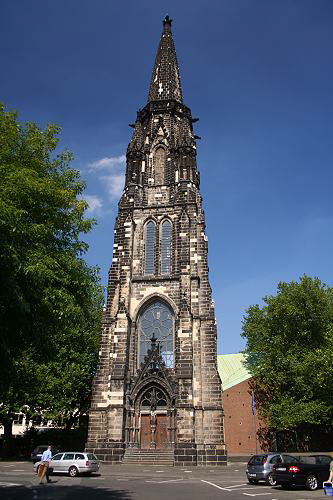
<point x="258" y="74"/>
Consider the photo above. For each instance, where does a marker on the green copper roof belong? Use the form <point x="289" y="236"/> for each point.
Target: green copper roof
<point x="231" y="369"/>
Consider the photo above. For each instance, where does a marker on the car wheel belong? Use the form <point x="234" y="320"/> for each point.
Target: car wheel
<point x="253" y="481"/>
<point x="73" y="471"/>
<point x="311" y="482"/>
<point x="270" y="480"/>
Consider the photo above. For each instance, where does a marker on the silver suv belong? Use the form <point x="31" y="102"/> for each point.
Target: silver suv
<point x="260" y="467"/>
<point x="72" y="463"/>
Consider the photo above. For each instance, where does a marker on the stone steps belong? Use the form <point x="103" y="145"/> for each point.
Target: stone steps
<point x="148" y="457"/>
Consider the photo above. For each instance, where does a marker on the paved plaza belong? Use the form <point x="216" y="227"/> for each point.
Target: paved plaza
<point x="17" y="481"/>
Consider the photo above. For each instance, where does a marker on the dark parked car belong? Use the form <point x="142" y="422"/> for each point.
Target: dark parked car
<point x="260" y="467"/>
<point x="310" y="471"/>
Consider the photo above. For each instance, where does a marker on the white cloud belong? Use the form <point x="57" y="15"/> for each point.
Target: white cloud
<point x="114" y="184"/>
<point x="111" y="172"/>
<point x="109" y="162"/>
<point x="95" y="204"/>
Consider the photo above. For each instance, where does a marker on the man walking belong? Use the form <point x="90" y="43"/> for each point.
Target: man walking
<point x="46" y="459"/>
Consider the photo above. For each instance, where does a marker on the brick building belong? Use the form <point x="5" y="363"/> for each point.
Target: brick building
<point x="241" y="422"/>
<point x="157" y="386"/>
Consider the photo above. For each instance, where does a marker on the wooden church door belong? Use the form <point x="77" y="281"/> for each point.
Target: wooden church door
<point x="145" y="435"/>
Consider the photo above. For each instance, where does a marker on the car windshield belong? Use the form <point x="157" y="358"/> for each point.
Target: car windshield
<point x="57" y="457"/>
<point x="91" y="456"/>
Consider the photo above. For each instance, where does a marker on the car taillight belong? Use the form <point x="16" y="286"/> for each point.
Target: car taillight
<point x="293" y="469"/>
<point x="87" y="463"/>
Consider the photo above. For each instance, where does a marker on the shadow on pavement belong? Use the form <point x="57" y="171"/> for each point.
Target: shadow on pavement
<point x="49" y="492"/>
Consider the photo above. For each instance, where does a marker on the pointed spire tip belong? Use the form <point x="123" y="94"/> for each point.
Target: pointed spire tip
<point x="165" y="80"/>
<point x="167" y="21"/>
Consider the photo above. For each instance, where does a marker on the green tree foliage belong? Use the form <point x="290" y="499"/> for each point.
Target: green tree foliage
<point x="50" y="299"/>
<point x="290" y="353"/>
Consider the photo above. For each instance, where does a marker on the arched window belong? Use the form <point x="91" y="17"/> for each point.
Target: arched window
<point x="156" y="324"/>
<point x="159" y="165"/>
<point x="166" y="247"/>
<point x="150" y="248"/>
<point x="154" y="398"/>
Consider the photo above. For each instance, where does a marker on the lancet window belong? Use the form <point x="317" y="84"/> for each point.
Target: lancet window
<point x="158" y="248"/>
<point x="150" y="248"/>
<point x="166" y="247"/>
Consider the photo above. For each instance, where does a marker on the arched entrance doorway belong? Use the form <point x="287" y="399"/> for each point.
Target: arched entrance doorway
<point x="155" y="419"/>
<point x="150" y="408"/>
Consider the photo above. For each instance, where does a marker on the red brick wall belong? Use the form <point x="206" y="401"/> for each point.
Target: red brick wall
<point x="238" y="420"/>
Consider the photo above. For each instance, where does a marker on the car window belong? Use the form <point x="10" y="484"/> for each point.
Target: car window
<point x="323" y="459"/>
<point x="79" y="456"/>
<point x="57" y="457"/>
<point x="258" y="460"/>
<point x="91" y="456"/>
<point x="68" y="456"/>
<point x="319" y="459"/>
<point x="308" y="460"/>
<point x="276" y="460"/>
<point x="288" y="459"/>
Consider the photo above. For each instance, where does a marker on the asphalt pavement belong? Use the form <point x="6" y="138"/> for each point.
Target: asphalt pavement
<point x="123" y="482"/>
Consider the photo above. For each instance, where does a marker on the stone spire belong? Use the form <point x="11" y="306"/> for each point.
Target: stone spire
<point x="165" y="80"/>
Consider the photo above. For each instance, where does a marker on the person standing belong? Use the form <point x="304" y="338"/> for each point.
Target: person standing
<point x="330" y="478"/>
<point x="46" y="459"/>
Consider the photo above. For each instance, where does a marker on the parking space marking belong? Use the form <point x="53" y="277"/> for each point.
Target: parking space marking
<point x="256" y="494"/>
<point x="240" y="486"/>
<point x="166" y="481"/>
<point x="215" y="485"/>
<point x="237" y="485"/>
<point x="247" y="487"/>
<point x="11" y="472"/>
<point x="9" y="485"/>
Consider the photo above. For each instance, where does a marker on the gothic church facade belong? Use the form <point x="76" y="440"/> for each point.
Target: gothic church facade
<point x="157" y="386"/>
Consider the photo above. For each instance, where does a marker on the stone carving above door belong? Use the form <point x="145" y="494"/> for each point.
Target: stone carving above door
<point x="152" y="372"/>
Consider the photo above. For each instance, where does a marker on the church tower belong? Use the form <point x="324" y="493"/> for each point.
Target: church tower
<point x="157" y="386"/>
